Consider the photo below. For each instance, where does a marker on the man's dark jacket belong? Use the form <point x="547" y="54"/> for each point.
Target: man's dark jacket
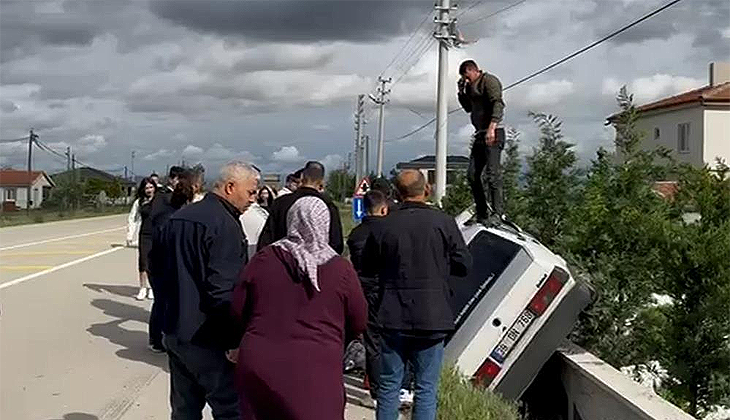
<point x="358" y="237"/>
<point x="203" y="250"/>
<point x="483" y="99"/>
<point x="413" y="253"/>
<point x="275" y="227"/>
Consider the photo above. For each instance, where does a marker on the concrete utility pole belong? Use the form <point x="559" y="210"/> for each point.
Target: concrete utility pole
<point x="31" y="139"/>
<point x="132" y="165"/>
<point x="444" y="36"/>
<point x="367" y="155"/>
<point x="359" y="122"/>
<point x="381" y="99"/>
<point x="68" y="158"/>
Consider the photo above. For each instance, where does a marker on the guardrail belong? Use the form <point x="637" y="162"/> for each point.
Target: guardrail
<point x="576" y="385"/>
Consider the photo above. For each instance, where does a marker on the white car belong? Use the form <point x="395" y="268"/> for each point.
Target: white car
<point x="513" y="310"/>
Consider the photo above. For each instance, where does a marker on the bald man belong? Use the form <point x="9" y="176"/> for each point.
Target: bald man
<point x="412" y="255"/>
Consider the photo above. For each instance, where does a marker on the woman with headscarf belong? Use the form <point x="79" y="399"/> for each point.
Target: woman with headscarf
<point x="298" y="303"/>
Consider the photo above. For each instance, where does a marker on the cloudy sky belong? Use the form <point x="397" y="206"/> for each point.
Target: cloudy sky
<point x="275" y="82"/>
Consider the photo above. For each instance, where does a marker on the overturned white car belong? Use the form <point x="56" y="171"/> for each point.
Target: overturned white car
<point x="513" y="310"/>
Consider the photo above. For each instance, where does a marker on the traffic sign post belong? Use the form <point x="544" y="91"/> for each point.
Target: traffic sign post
<point x="358" y="207"/>
<point x="358" y="211"/>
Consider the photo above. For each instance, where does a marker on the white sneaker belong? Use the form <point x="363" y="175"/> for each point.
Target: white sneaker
<point x="406" y="397"/>
<point x="142" y="293"/>
<point x="150" y="295"/>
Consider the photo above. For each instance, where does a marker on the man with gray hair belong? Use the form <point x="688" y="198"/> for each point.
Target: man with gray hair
<point x="203" y="250"/>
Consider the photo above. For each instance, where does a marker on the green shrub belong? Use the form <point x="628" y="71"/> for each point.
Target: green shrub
<point x="459" y="399"/>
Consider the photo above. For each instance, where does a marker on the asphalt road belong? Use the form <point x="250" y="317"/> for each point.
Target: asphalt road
<point x="73" y="340"/>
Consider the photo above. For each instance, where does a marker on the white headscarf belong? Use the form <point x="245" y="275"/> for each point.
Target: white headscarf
<point x="308" y="226"/>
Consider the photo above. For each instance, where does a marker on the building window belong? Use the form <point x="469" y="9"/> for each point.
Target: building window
<point x="683" y="138"/>
<point x="11" y="194"/>
<point x="657" y="134"/>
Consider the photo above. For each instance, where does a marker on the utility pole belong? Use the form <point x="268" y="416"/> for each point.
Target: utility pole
<point x="126" y="177"/>
<point x="31" y="139"/>
<point x="359" y="122"/>
<point x="367" y="155"/>
<point x="132" y="165"/>
<point x="68" y="158"/>
<point x="381" y="100"/>
<point x="444" y="36"/>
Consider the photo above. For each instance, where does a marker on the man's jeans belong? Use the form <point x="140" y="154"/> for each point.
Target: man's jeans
<point x="199" y="375"/>
<point x="426" y="356"/>
<point x="485" y="160"/>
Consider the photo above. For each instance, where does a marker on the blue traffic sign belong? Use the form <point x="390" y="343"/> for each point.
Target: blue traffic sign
<point x="358" y="210"/>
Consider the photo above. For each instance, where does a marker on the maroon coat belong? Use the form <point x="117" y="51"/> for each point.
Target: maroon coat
<point x="290" y="357"/>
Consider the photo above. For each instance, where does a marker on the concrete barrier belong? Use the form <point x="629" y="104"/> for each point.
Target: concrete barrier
<point x="576" y="385"/>
<point x="598" y="391"/>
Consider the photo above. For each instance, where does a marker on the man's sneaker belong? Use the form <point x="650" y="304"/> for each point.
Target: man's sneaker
<point x="156" y="349"/>
<point x="142" y="293"/>
<point x="150" y="295"/>
<point x="406" y="398"/>
<point x="369" y="402"/>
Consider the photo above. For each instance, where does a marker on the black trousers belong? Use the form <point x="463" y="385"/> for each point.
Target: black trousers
<point x="485" y="162"/>
<point x="199" y="375"/>
<point x="157" y="314"/>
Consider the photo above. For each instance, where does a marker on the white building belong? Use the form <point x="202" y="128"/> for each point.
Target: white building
<point x="14" y="188"/>
<point x="695" y="125"/>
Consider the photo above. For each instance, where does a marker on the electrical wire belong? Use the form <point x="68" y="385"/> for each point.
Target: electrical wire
<point x="555" y="64"/>
<point x="504" y="9"/>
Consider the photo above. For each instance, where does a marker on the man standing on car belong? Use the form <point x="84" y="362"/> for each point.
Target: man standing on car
<point x="480" y="94"/>
<point x="412" y="254"/>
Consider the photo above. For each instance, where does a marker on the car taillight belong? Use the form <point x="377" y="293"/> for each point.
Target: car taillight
<point x="548" y="291"/>
<point x="487" y="372"/>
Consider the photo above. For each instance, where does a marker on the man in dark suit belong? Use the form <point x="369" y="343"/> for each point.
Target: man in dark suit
<point x="413" y="254"/>
<point x="312" y="184"/>
<point x="204" y="251"/>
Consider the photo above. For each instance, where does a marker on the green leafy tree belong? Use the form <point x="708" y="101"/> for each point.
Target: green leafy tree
<point x="696" y="351"/>
<point x="511" y="170"/>
<point x="614" y="234"/>
<point x="551" y="183"/>
<point x="340" y="184"/>
<point x="458" y="195"/>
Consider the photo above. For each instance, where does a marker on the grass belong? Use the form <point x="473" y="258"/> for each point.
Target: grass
<point x="21" y="217"/>
<point x="459" y="399"/>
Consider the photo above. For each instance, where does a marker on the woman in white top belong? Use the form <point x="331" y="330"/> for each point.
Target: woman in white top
<point x="138" y="232"/>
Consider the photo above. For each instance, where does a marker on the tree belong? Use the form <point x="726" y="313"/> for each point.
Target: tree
<point x="613" y="233"/>
<point x="458" y="195"/>
<point x="511" y="170"/>
<point x="551" y="182"/>
<point x="340" y="184"/>
<point x="696" y="351"/>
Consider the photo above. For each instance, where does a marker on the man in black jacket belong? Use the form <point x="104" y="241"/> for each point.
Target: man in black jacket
<point x="312" y="184"/>
<point x="204" y="253"/>
<point x="413" y="254"/>
<point x="480" y="94"/>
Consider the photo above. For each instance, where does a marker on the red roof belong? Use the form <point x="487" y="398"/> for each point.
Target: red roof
<point x="703" y="95"/>
<point x="13" y="178"/>
<point x="707" y="95"/>
<point x="666" y="189"/>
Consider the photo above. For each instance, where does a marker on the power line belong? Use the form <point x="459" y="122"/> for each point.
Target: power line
<point x="14" y="140"/>
<point x="555" y="64"/>
<point x="588" y="47"/>
<point x="504" y="9"/>
<point x="425" y="18"/>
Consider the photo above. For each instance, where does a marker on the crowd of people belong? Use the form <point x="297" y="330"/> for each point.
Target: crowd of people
<point x="254" y="304"/>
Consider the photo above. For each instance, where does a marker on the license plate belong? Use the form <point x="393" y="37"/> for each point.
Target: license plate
<point x="513" y="335"/>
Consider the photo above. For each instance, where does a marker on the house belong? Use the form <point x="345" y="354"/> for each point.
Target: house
<point x="695" y="125"/>
<point x="272" y="180"/>
<point x="427" y="166"/>
<point x="96" y="177"/>
<point x="14" y="188"/>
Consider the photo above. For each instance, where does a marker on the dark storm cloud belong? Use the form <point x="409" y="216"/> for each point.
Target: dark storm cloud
<point x="296" y="21"/>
